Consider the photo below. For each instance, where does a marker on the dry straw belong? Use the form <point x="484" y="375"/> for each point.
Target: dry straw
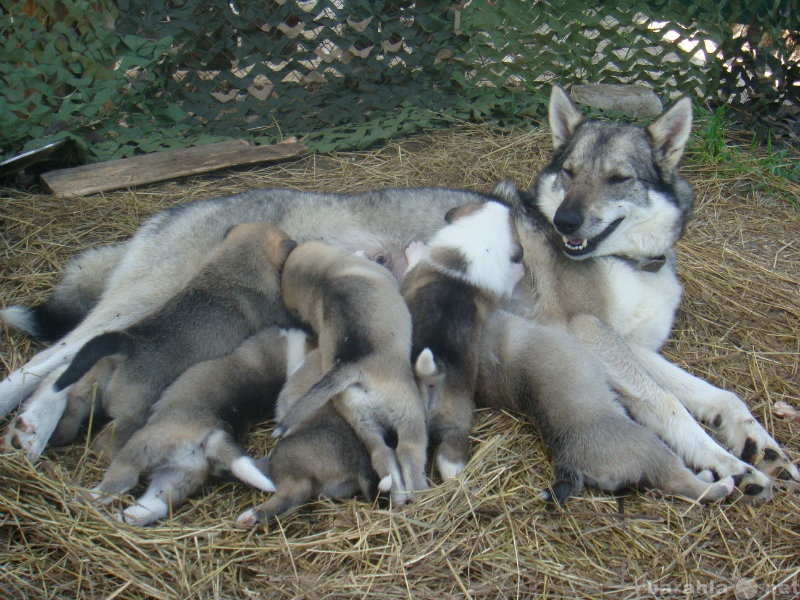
<point x="488" y="537"/>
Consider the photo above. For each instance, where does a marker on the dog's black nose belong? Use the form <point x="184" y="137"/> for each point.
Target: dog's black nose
<point x="567" y="219"/>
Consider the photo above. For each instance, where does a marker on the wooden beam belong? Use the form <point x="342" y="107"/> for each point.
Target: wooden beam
<point x="160" y="166"/>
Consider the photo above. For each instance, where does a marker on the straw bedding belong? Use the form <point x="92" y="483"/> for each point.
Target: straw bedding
<point x="485" y="537"/>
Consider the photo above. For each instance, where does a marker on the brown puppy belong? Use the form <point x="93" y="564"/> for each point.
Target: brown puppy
<point x="364" y="332"/>
<point x="234" y="295"/>
<point x="197" y="422"/>
<point x="466" y="271"/>
<point x="323" y="456"/>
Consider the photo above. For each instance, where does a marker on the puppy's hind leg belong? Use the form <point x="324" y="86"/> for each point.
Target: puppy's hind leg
<point x="120" y="477"/>
<point x="292" y="493"/>
<point x="412" y="444"/>
<point x="354" y="404"/>
<point x="82" y="397"/>
<point x="167" y="490"/>
<point x="223" y="453"/>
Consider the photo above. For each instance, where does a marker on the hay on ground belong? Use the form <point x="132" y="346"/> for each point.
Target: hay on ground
<point x="486" y="537"/>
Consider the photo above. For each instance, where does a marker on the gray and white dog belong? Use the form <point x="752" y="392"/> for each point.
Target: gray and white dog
<point x="598" y="230"/>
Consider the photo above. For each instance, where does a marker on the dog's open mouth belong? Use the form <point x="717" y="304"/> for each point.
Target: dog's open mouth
<point x="575" y="247"/>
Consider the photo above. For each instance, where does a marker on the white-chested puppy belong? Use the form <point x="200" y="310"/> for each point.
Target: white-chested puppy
<point x="322" y="456"/>
<point x="363" y="329"/>
<point x="198" y="422"/>
<point x="234" y="295"/>
<point x="453" y="282"/>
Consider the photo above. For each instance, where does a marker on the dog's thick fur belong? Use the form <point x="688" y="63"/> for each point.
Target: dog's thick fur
<point x="600" y="220"/>
<point x="323" y="456"/>
<point x="234" y="295"/>
<point x="197" y="424"/>
<point x="363" y="330"/>
<point x="452" y="284"/>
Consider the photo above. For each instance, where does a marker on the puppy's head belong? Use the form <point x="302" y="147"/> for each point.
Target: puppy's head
<point x="274" y="242"/>
<point x="482" y="238"/>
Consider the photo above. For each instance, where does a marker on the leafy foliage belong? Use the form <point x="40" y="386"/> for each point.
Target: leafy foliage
<point x="134" y="76"/>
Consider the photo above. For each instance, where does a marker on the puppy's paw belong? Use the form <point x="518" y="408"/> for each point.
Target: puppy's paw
<point x="251" y="517"/>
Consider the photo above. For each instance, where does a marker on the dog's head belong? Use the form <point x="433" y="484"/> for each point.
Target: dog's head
<point x="613" y="188"/>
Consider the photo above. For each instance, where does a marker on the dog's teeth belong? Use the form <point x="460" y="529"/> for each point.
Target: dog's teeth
<point x="575" y="243"/>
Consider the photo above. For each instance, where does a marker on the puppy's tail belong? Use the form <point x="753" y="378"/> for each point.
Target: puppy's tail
<point x="332" y="383"/>
<point x="106" y="344"/>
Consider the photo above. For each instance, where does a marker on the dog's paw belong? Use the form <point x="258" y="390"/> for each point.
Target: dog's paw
<point x="24" y="435"/>
<point x="144" y="512"/>
<point x="759" y="449"/>
<point x="250" y="518"/>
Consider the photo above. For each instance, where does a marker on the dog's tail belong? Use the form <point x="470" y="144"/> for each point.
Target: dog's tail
<point x="81" y="285"/>
<point x="334" y="382"/>
<point x="106" y="344"/>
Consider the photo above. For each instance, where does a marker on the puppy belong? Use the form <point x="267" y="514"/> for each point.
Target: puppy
<point x="364" y="333"/>
<point x="196" y="423"/>
<point x="323" y="456"/>
<point x="235" y="294"/>
<point x="467" y="270"/>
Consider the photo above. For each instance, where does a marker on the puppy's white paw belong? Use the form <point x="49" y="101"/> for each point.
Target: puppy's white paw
<point x="385" y="484"/>
<point x="449" y="469"/>
<point x="248" y="518"/>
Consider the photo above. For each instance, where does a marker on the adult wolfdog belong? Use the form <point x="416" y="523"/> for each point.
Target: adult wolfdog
<point x="576" y="350"/>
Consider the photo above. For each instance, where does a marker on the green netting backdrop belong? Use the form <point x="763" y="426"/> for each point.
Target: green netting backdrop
<point x="136" y="76"/>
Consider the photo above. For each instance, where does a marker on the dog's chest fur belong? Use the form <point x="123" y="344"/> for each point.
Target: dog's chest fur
<point x="640" y="305"/>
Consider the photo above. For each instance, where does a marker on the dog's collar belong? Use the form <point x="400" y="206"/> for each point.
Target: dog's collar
<point x="650" y="264"/>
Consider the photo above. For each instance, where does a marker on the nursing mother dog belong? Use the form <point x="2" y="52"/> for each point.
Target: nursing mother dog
<point x="603" y="216"/>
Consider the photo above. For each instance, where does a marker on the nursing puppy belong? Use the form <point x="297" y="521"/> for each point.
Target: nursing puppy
<point x="197" y="423"/>
<point x="363" y="329"/>
<point x="464" y="273"/>
<point x="234" y="295"/>
<point x="590" y="438"/>
<point x="323" y="456"/>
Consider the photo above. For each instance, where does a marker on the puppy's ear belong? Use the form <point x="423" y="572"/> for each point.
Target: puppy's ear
<point x="670" y="132"/>
<point x="278" y="249"/>
<point x="564" y="117"/>
<point x="454" y="214"/>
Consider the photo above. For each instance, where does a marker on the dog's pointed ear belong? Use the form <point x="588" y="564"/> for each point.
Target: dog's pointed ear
<point x="563" y="115"/>
<point x="670" y="132"/>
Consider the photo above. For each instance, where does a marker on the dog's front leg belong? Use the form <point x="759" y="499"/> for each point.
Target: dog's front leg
<point x="724" y="411"/>
<point x="655" y="407"/>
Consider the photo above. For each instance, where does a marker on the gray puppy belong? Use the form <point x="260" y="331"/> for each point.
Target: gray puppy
<point x="197" y="422"/>
<point x="364" y="333"/>
<point x="233" y="295"/>
<point x="323" y="456"/>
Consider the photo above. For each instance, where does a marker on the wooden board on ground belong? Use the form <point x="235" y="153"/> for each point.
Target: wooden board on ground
<point x="160" y="166"/>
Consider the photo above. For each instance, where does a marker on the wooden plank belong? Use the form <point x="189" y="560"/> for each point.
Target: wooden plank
<point x="159" y="166"/>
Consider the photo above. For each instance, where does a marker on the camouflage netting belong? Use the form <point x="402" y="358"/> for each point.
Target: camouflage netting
<point x="138" y="76"/>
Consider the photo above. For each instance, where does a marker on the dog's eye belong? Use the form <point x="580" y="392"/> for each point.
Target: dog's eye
<point x="567" y="172"/>
<point x="517" y="255"/>
<point x="617" y="179"/>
